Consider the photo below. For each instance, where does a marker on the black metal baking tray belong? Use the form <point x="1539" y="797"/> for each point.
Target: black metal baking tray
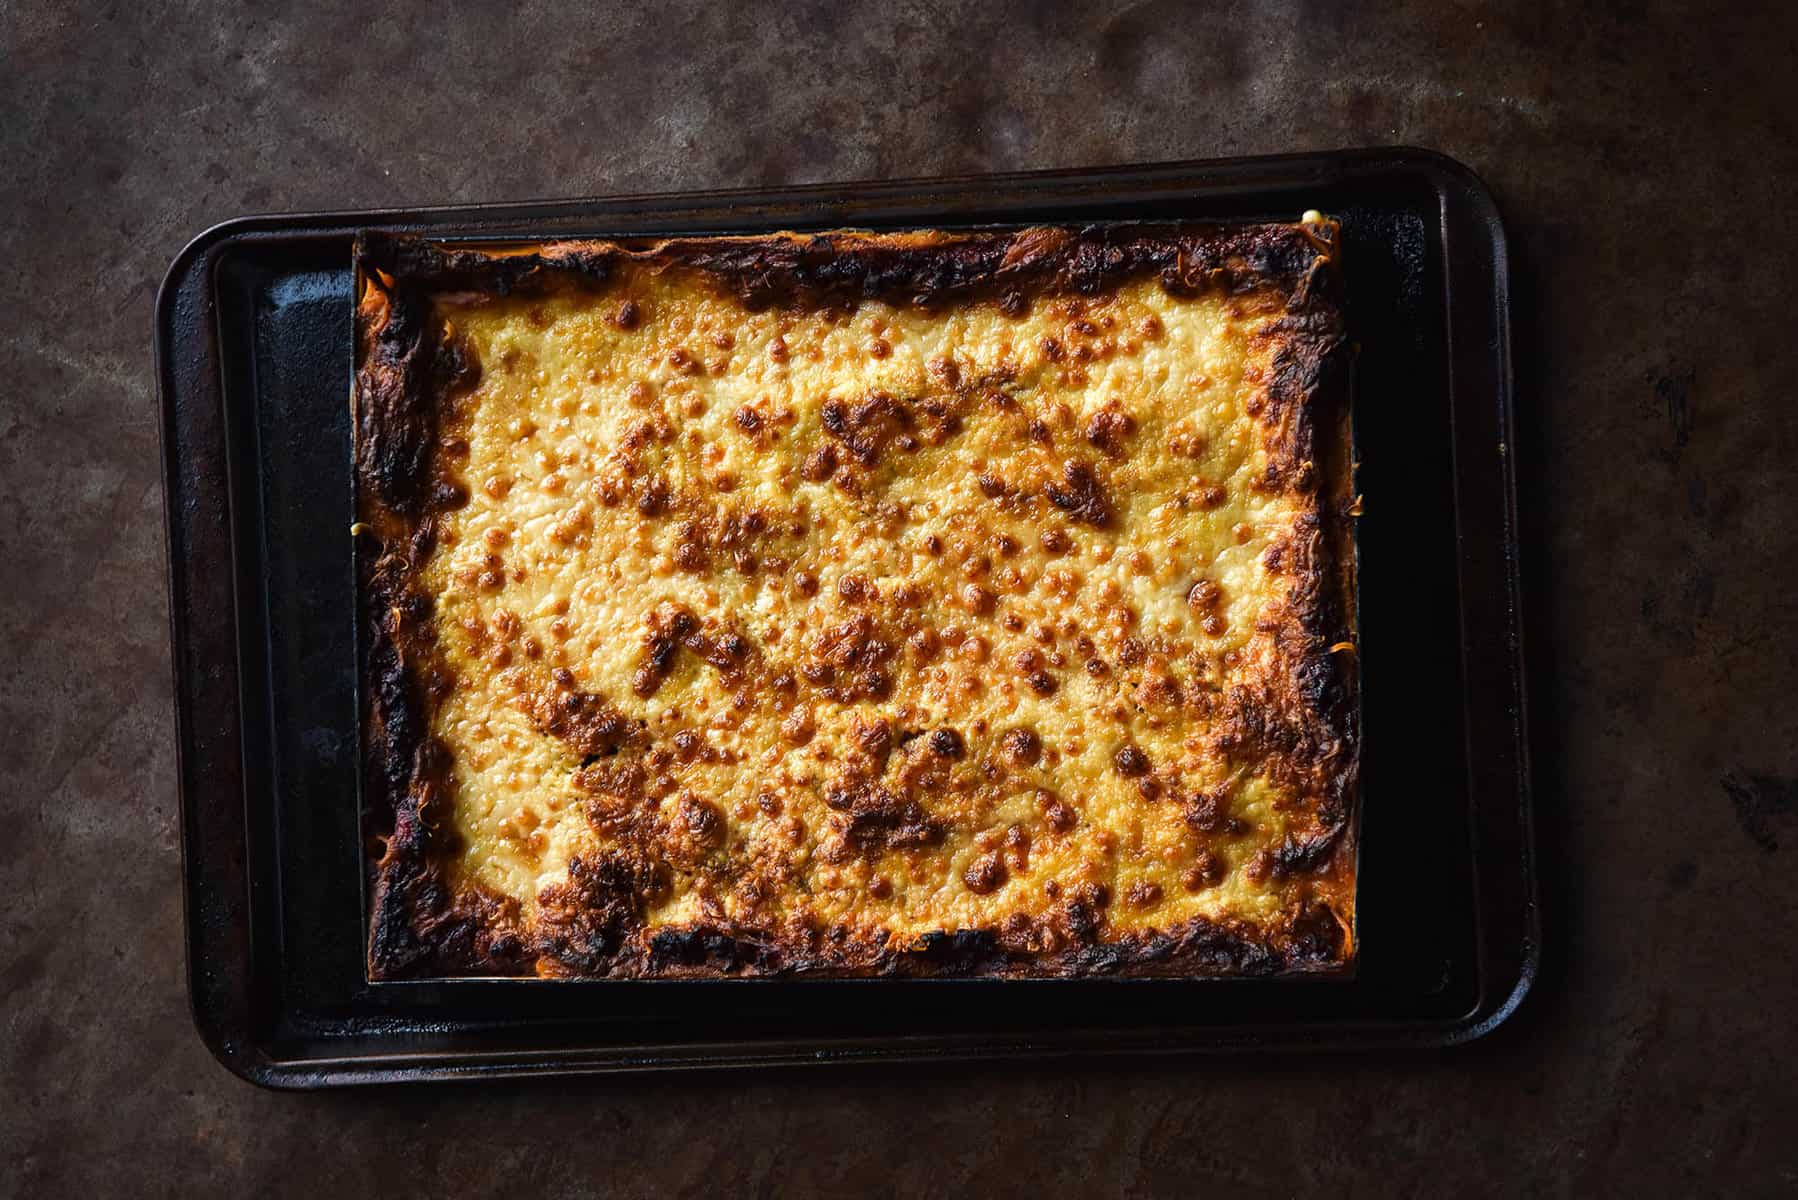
<point x="253" y="365"/>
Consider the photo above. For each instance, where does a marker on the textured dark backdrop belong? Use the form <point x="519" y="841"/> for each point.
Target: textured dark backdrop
<point x="1642" y="155"/>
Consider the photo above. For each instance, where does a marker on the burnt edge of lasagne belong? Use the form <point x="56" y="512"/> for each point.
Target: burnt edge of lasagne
<point x="421" y="925"/>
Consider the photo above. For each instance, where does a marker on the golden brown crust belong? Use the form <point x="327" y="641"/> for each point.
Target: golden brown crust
<point x="1296" y="722"/>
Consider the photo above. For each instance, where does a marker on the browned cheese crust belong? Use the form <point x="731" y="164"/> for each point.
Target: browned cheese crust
<point x="858" y="604"/>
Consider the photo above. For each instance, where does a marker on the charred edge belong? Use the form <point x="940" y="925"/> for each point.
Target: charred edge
<point x="707" y="946"/>
<point x="447" y="268"/>
<point x="1309" y="941"/>
<point x="416" y="924"/>
<point x="900" y="269"/>
<point x="395" y="423"/>
<point x="1312" y="374"/>
<point x="961" y="952"/>
<point x="583" y="924"/>
<point x="1303" y="854"/>
<point x="395" y="948"/>
<point x="405" y="360"/>
<point x="1307" y="394"/>
<point x="394" y="725"/>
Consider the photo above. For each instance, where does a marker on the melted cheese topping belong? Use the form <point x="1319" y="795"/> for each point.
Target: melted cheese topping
<point x="659" y="447"/>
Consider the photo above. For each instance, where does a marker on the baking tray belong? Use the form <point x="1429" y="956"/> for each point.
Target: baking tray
<point x="253" y="355"/>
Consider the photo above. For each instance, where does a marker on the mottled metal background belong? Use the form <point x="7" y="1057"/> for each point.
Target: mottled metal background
<point x="1642" y="155"/>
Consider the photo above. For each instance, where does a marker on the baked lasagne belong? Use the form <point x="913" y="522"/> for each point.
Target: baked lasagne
<point x="858" y="604"/>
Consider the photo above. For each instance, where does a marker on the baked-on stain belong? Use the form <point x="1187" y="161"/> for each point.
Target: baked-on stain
<point x="412" y="372"/>
<point x="1757" y="798"/>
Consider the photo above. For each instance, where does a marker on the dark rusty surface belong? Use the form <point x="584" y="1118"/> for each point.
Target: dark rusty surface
<point x="1640" y="153"/>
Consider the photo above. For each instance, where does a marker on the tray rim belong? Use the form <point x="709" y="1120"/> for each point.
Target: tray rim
<point x="232" y="1043"/>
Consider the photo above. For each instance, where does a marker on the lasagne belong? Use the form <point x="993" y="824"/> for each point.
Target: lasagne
<point x="857" y="604"/>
